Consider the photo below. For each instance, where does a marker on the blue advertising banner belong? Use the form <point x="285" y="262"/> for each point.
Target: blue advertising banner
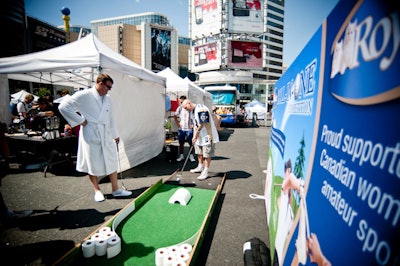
<point x="333" y="183"/>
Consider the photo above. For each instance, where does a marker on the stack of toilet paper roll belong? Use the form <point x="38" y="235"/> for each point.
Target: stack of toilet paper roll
<point x="173" y="256"/>
<point x="104" y="242"/>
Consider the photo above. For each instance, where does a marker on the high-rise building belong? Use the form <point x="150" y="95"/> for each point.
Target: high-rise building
<point x="237" y="43"/>
<point x="42" y="36"/>
<point x="76" y="31"/>
<point x="148" y="39"/>
<point x="13" y="28"/>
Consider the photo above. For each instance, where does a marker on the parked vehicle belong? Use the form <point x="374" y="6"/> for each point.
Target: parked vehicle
<point x="226" y="100"/>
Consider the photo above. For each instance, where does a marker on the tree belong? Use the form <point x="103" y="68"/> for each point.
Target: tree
<point x="299" y="164"/>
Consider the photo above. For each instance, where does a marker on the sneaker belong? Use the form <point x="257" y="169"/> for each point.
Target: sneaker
<point x="191" y="158"/>
<point x="198" y="169"/>
<point x="180" y="158"/>
<point x="202" y="176"/>
<point x="121" y="193"/>
<point x="18" y="214"/>
<point x="98" y="196"/>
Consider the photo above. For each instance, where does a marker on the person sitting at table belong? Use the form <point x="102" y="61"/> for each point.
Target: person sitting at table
<point x="43" y="110"/>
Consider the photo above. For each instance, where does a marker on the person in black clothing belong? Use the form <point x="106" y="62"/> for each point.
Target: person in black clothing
<point x="44" y="109"/>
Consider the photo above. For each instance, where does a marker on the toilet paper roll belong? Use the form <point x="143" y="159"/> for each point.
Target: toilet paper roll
<point x="173" y="250"/>
<point x="97" y="236"/>
<point x="179" y="262"/>
<point x="170" y="259"/>
<point x="114" y="246"/>
<point x="184" y="256"/>
<point x="104" y="229"/>
<point x="101" y="247"/>
<point x="186" y="248"/>
<point x="88" y="248"/>
<point x="108" y="235"/>
<point x="161" y="253"/>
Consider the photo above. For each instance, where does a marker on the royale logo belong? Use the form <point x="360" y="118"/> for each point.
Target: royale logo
<point x="365" y="57"/>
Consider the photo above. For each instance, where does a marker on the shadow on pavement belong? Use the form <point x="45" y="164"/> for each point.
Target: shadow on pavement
<point x="68" y="219"/>
<point x="225" y="133"/>
<point x="41" y="253"/>
<point x="237" y="174"/>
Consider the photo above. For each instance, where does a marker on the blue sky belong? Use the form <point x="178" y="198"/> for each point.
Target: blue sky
<point x="302" y="17"/>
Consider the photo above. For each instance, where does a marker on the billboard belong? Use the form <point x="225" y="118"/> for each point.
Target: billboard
<point x="333" y="179"/>
<point x="160" y="49"/>
<point x="245" y="54"/>
<point x="205" y="18"/>
<point x="206" y="57"/>
<point x="246" y="16"/>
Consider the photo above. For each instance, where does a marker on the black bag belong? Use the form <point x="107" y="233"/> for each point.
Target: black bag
<point x="256" y="253"/>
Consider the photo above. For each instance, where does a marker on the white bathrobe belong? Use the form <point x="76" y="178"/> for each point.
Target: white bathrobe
<point x="97" y="151"/>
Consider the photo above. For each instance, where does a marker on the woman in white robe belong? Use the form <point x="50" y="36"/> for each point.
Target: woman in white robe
<point x="98" y="135"/>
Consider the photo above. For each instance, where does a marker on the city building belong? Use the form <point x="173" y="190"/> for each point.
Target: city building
<point x="25" y="34"/>
<point x="42" y="36"/>
<point x="237" y="43"/>
<point x="76" y="32"/>
<point x="13" y="28"/>
<point x="148" y="39"/>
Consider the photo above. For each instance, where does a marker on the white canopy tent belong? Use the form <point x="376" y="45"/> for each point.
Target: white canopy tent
<point x="77" y="64"/>
<point x="207" y="97"/>
<point x="256" y="107"/>
<point x="20" y="96"/>
<point x="177" y="86"/>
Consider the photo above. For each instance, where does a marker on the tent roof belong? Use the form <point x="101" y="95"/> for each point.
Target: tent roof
<point x="75" y="64"/>
<point x="173" y="81"/>
<point x="255" y="102"/>
<point x="20" y="96"/>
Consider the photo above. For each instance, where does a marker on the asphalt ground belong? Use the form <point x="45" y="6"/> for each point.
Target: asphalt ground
<point x="64" y="212"/>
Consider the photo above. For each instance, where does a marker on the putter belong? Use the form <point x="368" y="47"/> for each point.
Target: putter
<point x="119" y="166"/>
<point x="187" y="157"/>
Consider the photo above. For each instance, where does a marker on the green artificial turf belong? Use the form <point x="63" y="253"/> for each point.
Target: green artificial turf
<point x="156" y="224"/>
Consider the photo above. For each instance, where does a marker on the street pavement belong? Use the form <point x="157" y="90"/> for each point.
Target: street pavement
<point x="65" y="212"/>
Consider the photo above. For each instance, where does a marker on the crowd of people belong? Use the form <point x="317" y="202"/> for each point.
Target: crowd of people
<point x="30" y="114"/>
<point x="98" y="138"/>
<point x="91" y="111"/>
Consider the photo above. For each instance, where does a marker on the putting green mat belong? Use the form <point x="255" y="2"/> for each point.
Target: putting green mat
<point x="156" y="224"/>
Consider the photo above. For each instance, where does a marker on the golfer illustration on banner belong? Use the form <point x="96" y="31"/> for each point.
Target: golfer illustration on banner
<point x="291" y="140"/>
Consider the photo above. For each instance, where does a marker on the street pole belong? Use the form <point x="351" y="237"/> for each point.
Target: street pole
<point x="65" y="11"/>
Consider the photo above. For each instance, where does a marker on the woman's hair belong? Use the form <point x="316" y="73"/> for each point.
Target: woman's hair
<point x="29" y="97"/>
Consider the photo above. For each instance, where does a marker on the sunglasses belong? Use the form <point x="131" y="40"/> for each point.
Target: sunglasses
<point x="109" y="87"/>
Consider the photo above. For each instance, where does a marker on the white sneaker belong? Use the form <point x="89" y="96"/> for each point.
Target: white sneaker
<point x="121" y="193"/>
<point x="202" y="176"/>
<point x="198" y="169"/>
<point x="180" y="158"/>
<point x="191" y="158"/>
<point x="98" y="196"/>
